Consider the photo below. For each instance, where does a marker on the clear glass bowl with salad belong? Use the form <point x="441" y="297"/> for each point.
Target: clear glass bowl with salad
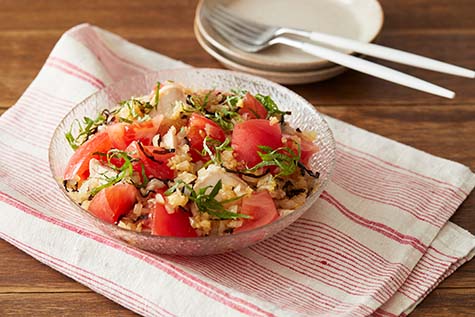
<point x="193" y="161"/>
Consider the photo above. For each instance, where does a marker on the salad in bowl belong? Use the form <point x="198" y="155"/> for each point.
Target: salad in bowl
<point x="186" y="163"/>
<point x="178" y="162"/>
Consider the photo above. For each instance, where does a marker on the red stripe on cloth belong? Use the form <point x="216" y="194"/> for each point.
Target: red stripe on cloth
<point x="34" y="141"/>
<point x="434" y="281"/>
<point x="436" y="260"/>
<point x="284" y="260"/>
<point x="335" y="262"/>
<point x="416" y="184"/>
<point x="443" y="254"/>
<point x="44" y="123"/>
<point x="23" y="125"/>
<point x="387" y="199"/>
<point x="58" y="60"/>
<point x="27" y="105"/>
<point x="239" y="271"/>
<point x="88" y="278"/>
<point x="73" y="73"/>
<point x="252" y="283"/>
<point x="56" y="110"/>
<point x="327" y="299"/>
<point x="327" y="263"/>
<point x="410" y="185"/>
<point x="116" y="66"/>
<point x="452" y="186"/>
<point x="375" y="226"/>
<point x="4" y="128"/>
<point x="347" y="240"/>
<point x="372" y="270"/>
<point x="44" y="94"/>
<point x="382" y="313"/>
<point x="426" y="205"/>
<point x="64" y="212"/>
<point x="325" y="248"/>
<point x="223" y="268"/>
<point x="200" y="285"/>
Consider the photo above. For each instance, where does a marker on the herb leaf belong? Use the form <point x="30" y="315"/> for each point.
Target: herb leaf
<point x="136" y="109"/>
<point x="224" y="115"/>
<point x="207" y="202"/>
<point x="124" y="172"/>
<point x="282" y="157"/>
<point x="85" y="129"/>
<point x="218" y="147"/>
<point x="157" y="94"/>
<point x="271" y="106"/>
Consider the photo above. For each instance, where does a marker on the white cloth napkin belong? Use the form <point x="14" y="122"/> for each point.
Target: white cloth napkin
<point x="376" y="242"/>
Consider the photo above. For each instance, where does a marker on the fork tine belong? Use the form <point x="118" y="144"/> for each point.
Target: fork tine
<point x="230" y="33"/>
<point x="242" y="23"/>
<point x="219" y="21"/>
<point x="237" y="27"/>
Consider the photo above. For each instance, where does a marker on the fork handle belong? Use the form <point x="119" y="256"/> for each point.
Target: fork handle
<point x="366" y="67"/>
<point x="383" y="52"/>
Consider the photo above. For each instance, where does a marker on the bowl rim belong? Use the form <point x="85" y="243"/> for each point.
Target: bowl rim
<point x="244" y="76"/>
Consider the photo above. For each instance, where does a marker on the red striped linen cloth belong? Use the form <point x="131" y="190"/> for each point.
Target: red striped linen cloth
<point x="376" y="242"/>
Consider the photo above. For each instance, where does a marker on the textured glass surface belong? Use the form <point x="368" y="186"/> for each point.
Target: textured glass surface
<point x="303" y="116"/>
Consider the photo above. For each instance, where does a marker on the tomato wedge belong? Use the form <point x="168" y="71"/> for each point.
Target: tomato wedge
<point x="122" y="134"/>
<point x="154" y="160"/>
<point x="199" y="128"/>
<point x="260" y="206"/>
<point x="79" y="163"/>
<point x="307" y="148"/>
<point x="249" y="135"/>
<point x="112" y="202"/>
<point x="176" y="224"/>
<point x="252" y="108"/>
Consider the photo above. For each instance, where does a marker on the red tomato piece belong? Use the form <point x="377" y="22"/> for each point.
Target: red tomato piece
<point x="307" y="148"/>
<point x="79" y="163"/>
<point x="154" y="160"/>
<point x="112" y="202"/>
<point x="116" y="134"/>
<point x="252" y="108"/>
<point x="176" y="224"/>
<point x="248" y="135"/>
<point x="122" y="134"/>
<point x="261" y="207"/>
<point x="199" y="128"/>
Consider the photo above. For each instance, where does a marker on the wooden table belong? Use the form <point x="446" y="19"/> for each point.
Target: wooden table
<point x="438" y="28"/>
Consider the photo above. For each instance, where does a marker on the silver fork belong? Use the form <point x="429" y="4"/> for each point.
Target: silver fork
<point x="251" y="37"/>
<point x="267" y="32"/>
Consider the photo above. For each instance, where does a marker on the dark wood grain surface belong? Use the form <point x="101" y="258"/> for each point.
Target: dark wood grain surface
<point x="437" y="28"/>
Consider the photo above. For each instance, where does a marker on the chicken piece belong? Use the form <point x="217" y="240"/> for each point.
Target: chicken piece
<point x="232" y="185"/>
<point x="171" y="98"/>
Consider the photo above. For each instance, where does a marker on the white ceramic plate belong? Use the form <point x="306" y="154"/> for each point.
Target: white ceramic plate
<point x="281" y="77"/>
<point x="356" y="19"/>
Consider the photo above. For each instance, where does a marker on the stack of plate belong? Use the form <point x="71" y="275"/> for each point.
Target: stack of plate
<point x="356" y="19"/>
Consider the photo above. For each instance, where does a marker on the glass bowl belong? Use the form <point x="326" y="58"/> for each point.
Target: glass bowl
<point x="304" y="116"/>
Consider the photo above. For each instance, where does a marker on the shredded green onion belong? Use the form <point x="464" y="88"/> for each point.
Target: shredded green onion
<point x="207" y="202"/>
